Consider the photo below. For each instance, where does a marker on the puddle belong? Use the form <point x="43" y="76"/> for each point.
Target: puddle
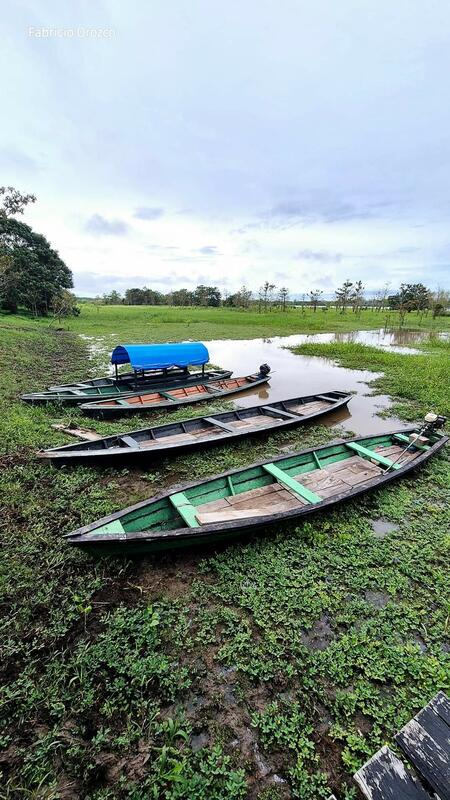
<point x="294" y="375"/>
<point x="417" y="639"/>
<point x="377" y="599"/>
<point x="381" y="528"/>
<point x="320" y="635"/>
<point x="199" y="741"/>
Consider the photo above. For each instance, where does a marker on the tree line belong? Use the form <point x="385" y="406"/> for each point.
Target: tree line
<point x="350" y="296"/>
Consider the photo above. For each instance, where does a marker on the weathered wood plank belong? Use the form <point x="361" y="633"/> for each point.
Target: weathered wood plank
<point x="279" y="413"/>
<point x="218" y="424"/>
<point x="384" y="777"/>
<point x="130" y="441"/>
<point x="425" y="740"/>
<point x="81" y="433"/>
<point x="441" y="706"/>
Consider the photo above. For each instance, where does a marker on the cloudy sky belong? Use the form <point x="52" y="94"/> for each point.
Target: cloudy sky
<point x="176" y="142"/>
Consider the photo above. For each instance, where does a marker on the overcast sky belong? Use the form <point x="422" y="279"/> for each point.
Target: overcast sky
<point x="193" y="141"/>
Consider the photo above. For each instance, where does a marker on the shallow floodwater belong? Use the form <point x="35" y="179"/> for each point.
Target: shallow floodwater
<point x="295" y="375"/>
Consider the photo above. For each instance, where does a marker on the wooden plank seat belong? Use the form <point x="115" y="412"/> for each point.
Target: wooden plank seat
<point x="293" y="485"/>
<point x="184" y="508"/>
<point x="373" y="455"/>
<point x="384" y="777"/>
<point x="130" y="442"/>
<point x="277" y="412"/>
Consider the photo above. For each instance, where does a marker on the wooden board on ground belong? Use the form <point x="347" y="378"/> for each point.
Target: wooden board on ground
<point x="385" y="777"/>
<point x="81" y="433"/>
<point x="425" y="740"/>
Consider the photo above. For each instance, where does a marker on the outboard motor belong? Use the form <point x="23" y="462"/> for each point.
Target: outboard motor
<point x="264" y="370"/>
<point x="433" y="423"/>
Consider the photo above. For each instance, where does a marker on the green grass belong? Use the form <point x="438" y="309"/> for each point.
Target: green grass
<point x="295" y="654"/>
<point x="167" y="323"/>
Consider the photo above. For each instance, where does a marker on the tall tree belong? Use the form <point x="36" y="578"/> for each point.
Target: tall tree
<point x="32" y="274"/>
<point x="207" y="296"/>
<point x="410" y="297"/>
<point x="439" y="301"/>
<point x="357" y="296"/>
<point x="314" y="296"/>
<point x="283" y="295"/>
<point x="343" y="295"/>
<point x="112" y="298"/>
<point x="265" y="295"/>
<point x="180" y="297"/>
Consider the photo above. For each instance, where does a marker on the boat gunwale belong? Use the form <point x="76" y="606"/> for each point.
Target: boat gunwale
<point x="67" y="450"/>
<point x="129" y="376"/>
<point x="247" y="523"/>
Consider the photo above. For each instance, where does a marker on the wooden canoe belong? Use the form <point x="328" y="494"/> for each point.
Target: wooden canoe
<point x="181" y="395"/>
<point x="190" y="434"/>
<point x="107" y="388"/>
<point x="269" y="493"/>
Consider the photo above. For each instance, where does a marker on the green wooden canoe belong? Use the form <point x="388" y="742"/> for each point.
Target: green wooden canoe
<point x="109" y="388"/>
<point x="241" y="501"/>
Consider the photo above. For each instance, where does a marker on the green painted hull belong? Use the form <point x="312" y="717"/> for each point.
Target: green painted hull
<point x="262" y="495"/>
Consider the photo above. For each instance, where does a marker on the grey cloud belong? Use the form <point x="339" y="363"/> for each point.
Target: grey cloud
<point x="286" y="213"/>
<point x="208" y="250"/>
<point x="10" y="158"/>
<point x="318" y="255"/>
<point x="99" y="226"/>
<point x="148" y="213"/>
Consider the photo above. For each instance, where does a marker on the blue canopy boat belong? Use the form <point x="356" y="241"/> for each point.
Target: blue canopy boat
<point x="154" y="366"/>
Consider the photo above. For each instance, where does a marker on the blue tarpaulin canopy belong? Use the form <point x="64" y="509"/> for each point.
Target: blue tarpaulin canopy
<point x="160" y="356"/>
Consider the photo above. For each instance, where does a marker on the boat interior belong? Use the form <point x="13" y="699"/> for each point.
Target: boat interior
<point x="289" y="483"/>
<point x="217" y="425"/>
<point x="195" y="392"/>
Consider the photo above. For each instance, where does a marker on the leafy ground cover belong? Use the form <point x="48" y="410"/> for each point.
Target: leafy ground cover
<point x="270" y="669"/>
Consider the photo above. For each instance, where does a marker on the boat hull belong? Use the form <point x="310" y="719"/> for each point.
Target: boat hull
<point x="142" y="542"/>
<point x="110" y="450"/>
<point x="64" y="395"/>
<point x="133" y="405"/>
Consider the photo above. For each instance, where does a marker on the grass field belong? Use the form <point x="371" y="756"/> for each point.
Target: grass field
<point x="271" y="669"/>
<point x="166" y="323"/>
